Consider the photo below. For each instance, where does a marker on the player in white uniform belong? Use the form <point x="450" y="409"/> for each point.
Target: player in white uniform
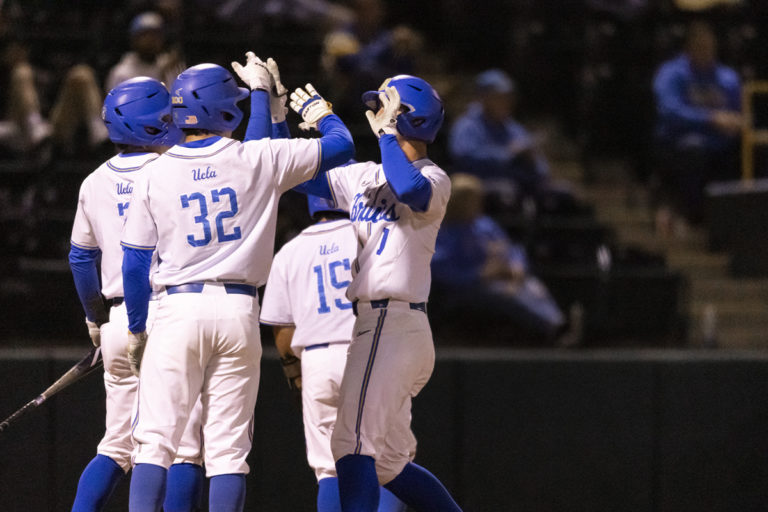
<point x="305" y="304"/>
<point x="396" y="208"/>
<point x="137" y="114"/>
<point x="208" y="206"/>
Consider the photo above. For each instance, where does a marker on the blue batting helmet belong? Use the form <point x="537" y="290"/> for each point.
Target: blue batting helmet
<point x="321" y="204"/>
<point x="205" y="96"/>
<point x="137" y="112"/>
<point x="425" y="108"/>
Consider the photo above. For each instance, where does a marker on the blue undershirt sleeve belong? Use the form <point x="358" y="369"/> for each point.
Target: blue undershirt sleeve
<point x="336" y="145"/>
<point x="136" y="287"/>
<point x="408" y="184"/>
<point x="336" y="149"/>
<point x="260" y="121"/>
<point x="86" y="275"/>
<point x="280" y="130"/>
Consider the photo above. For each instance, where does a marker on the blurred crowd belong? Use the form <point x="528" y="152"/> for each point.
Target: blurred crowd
<point x="656" y="81"/>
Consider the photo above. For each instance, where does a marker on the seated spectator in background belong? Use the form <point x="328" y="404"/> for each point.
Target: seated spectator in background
<point x="148" y="55"/>
<point x="487" y="142"/>
<point x="76" y="115"/>
<point x="74" y="121"/>
<point x="481" y="285"/>
<point x="23" y="127"/>
<point x="696" y="141"/>
<point x="356" y="55"/>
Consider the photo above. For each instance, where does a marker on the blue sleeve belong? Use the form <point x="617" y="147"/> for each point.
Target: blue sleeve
<point x="260" y="121"/>
<point x="280" y="130"/>
<point x="136" y="287"/>
<point x="336" y="145"/>
<point x="317" y="186"/>
<point x="671" y="102"/>
<point x="408" y="184"/>
<point x="336" y="149"/>
<point x="86" y="276"/>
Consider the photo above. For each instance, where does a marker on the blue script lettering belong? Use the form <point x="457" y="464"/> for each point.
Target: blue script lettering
<point x="324" y="249"/>
<point x="363" y="212"/>
<point x="199" y="174"/>
<point x="124" y="188"/>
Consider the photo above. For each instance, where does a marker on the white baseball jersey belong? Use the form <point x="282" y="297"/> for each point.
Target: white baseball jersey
<point x="101" y="211"/>
<point x="209" y="208"/>
<point x="211" y="211"/>
<point x="308" y="282"/>
<point x="396" y="242"/>
<point x="306" y="288"/>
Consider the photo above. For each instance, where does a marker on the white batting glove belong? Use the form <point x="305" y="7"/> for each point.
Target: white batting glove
<point x="255" y="73"/>
<point x="94" y="331"/>
<point x="385" y="120"/>
<point x="136" y="345"/>
<point x="278" y="94"/>
<point x="310" y="106"/>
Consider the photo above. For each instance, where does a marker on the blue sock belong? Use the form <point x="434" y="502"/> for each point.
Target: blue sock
<point x="421" y="490"/>
<point x="328" y="495"/>
<point x="147" y="488"/>
<point x="99" y="479"/>
<point x="227" y="493"/>
<point x="358" y="483"/>
<point x="388" y="502"/>
<point x="184" y="488"/>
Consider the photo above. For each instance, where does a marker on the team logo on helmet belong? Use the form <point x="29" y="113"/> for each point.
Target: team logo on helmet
<point x="190" y="120"/>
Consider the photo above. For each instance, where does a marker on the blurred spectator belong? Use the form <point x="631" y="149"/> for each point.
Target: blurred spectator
<point x="23" y="127"/>
<point x="76" y="115"/>
<point x="696" y="141"/>
<point x="302" y="12"/>
<point x="74" y="121"/>
<point x="149" y="55"/>
<point x="486" y="141"/>
<point x="480" y="277"/>
<point x="359" y="55"/>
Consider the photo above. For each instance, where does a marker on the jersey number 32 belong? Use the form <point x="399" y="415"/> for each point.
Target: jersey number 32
<point x="202" y="219"/>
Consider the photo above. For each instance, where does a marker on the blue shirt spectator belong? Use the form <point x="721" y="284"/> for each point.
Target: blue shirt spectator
<point x="689" y="99"/>
<point x="486" y="141"/>
<point x="696" y="141"/>
<point x="480" y="276"/>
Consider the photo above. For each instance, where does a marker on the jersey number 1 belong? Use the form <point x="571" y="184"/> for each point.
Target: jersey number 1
<point x="221" y="236"/>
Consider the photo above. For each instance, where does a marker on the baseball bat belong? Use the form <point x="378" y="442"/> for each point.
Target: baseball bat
<point x="87" y="365"/>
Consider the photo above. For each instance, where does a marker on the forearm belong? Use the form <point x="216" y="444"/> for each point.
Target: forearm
<point x="260" y="120"/>
<point x="280" y="130"/>
<point x="405" y="180"/>
<point x="86" y="276"/>
<point x="136" y="287"/>
<point x="336" y="145"/>
<point x="283" y="337"/>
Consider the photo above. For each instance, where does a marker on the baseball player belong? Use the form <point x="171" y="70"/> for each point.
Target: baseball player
<point x="137" y="114"/>
<point x="208" y="206"/>
<point x="312" y="332"/>
<point x="396" y="208"/>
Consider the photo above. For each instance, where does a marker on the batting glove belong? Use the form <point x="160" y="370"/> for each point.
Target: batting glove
<point x="385" y="119"/>
<point x="292" y="370"/>
<point x="94" y="331"/>
<point x="310" y="106"/>
<point x="136" y="345"/>
<point x="255" y="73"/>
<point x="278" y="94"/>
